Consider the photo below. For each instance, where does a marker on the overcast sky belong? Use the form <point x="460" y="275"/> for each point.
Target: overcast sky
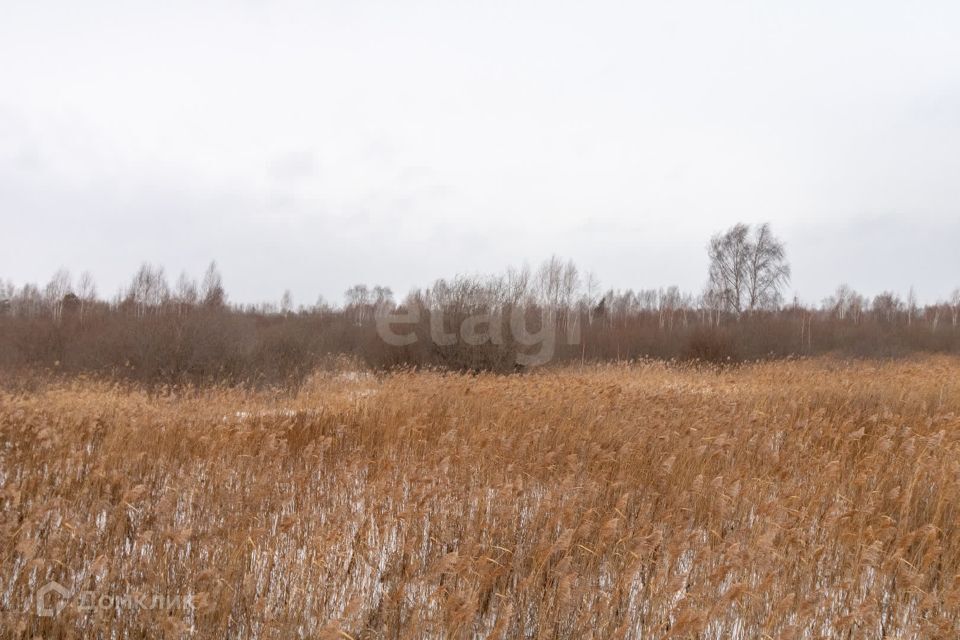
<point x="315" y="145"/>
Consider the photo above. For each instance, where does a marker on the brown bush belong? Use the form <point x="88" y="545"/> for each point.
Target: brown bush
<point x="711" y="345"/>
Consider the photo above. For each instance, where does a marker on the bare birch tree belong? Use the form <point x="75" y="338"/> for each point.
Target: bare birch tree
<point x="59" y="286"/>
<point x="767" y="269"/>
<point x="87" y="292"/>
<point x="748" y="269"/>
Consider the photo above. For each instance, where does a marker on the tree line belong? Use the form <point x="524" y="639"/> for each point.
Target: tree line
<point x="189" y="331"/>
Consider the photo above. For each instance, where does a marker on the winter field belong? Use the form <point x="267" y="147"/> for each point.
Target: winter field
<point x="798" y="499"/>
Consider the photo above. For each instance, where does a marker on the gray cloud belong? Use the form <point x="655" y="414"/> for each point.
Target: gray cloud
<point x="293" y="166"/>
<point x="310" y="146"/>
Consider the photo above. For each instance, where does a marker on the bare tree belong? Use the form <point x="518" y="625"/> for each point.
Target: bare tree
<point x="186" y="294"/>
<point x="29" y="301"/>
<point x="286" y="303"/>
<point x="212" y="292"/>
<point x="955" y="305"/>
<point x="845" y="304"/>
<point x="911" y="305"/>
<point x="591" y="294"/>
<point x="517" y="285"/>
<point x="728" y="267"/>
<point x="767" y="269"/>
<point x="549" y="283"/>
<point x="710" y="304"/>
<point x="747" y="269"/>
<point x="87" y="292"/>
<point x="7" y="291"/>
<point x="669" y="302"/>
<point x="58" y="287"/>
<point x="382" y="298"/>
<point x="569" y="284"/>
<point x="357" y="301"/>
<point x="321" y="305"/>
<point x="148" y="289"/>
<point x="358" y="294"/>
<point x="886" y="306"/>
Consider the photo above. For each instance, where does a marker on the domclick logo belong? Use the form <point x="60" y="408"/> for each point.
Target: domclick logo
<point x="51" y="599"/>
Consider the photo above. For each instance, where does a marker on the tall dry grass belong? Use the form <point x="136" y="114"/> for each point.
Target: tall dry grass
<point x="799" y="499"/>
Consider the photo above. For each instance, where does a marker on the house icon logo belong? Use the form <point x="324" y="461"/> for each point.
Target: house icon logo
<point x="57" y="602"/>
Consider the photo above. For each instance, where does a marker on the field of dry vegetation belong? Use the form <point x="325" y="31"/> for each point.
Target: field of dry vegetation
<point x="798" y="499"/>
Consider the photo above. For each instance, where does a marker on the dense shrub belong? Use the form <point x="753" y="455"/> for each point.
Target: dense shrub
<point x="710" y="344"/>
<point x="203" y="345"/>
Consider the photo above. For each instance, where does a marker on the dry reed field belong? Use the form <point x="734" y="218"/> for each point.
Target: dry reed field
<point x="799" y="499"/>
